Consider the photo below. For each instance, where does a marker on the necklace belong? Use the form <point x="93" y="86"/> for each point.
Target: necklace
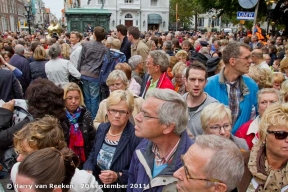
<point x="115" y="134"/>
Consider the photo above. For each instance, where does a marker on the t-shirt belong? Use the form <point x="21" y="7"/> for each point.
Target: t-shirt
<point x="106" y="153"/>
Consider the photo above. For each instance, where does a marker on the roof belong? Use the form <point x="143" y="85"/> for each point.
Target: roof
<point x="87" y="11"/>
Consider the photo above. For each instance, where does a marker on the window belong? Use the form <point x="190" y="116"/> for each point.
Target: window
<point x="128" y="16"/>
<point x="154" y="2"/>
<point x="128" y="1"/>
<point x="200" y="22"/>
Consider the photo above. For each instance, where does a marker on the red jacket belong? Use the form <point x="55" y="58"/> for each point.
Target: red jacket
<point x="242" y="133"/>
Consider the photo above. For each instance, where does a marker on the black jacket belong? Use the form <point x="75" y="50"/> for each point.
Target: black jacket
<point x="37" y="69"/>
<point x="88" y="132"/>
<point x="126" y="48"/>
<point x="9" y="86"/>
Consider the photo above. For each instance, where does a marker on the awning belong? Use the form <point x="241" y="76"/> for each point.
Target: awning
<point x="154" y="19"/>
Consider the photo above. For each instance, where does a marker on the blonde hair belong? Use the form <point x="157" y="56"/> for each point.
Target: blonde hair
<point x="125" y="68"/>
<point x="74" y="87"/>
<point x="267" y="90"/>
<point x="117" y="75"/>
<point x="274" y="115"/>
<point x="116" y="44"/>
<point x="283" y="90"/>
<point x="178" y="68"/>
<point x="262" y="76"/>
<point x="66" y="50"/>
<point x="278" y="77"/>
<point x="121" y="95"/>
<point x="284" y="65"/>
<point x="182" y="54"/>
<point x="39" y="53"/>
<point x="214" y="112"/>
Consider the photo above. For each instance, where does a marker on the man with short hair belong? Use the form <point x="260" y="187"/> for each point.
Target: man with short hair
<point x="212" y="163"/>
<point x="279" y="43"/>
<point x="157" y="157"/>
<point x="167" y="47"/>
<point x="126" y="45"/>
<point x="258" y="59"/>
<point x="196" y="98"/>
<point x="18" y="60"/>
<point x="136" y="65"/>
<point x="89" y="65"/>
<point x="232" y="88"/>
<point x="138" y="47"/>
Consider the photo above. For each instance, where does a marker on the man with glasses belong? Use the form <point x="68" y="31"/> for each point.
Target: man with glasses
<point x="162" y="123"/>
<point x="210" y="164"/>
<point x="232" y="88"/>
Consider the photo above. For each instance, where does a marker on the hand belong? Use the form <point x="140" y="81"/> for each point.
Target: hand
<point x="9" y="105"/>
<point x="108" y="176"/>
<point x="2" y="60"/>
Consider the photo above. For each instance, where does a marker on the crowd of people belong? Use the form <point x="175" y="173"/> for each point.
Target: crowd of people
<point x="130" y="111"/>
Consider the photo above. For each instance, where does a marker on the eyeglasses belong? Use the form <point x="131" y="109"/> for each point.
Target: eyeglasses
<point x="146" y="116"/>
<point x="117" y="85"/>
<point x="217" y="128"/>
<point x="121" y="112"/>
<point x="246" y="58"/>
<point x="279" y="135"/>
<point x="194" y="178"/>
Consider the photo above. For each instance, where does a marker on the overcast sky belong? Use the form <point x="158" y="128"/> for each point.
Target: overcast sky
<point x="55" y="6"/>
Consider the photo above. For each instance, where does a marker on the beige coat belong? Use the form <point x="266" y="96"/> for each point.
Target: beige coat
<point x="140" y="48"/>
<point x="101" y="116"/>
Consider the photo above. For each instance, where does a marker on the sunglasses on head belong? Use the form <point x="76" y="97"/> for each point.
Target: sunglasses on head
<point x="280" y="135"/>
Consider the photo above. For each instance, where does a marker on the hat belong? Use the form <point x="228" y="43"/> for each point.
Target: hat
<point x="204" y="43"/>
<point x="201" y="58"/>
<point x="212" y="64"/>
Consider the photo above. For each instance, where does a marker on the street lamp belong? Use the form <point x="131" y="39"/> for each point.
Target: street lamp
<point x="28" y="9"/>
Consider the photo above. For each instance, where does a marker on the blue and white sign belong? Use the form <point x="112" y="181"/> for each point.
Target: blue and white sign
<point x="245" y="15"/>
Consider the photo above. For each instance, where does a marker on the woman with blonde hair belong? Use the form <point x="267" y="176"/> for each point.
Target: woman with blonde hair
<point x="216" y="119"/>
<point x="37" y="67"/>
<point x="79" y="120"/>
<point x="278" y="79"/>
<point x="266" y="166"/>
<point x="66" y="50"/>
<point x="262" y="76"/>
<point x="117" y="80"/>
<point x="178" y="80"/>
<point x="115" y="142"/>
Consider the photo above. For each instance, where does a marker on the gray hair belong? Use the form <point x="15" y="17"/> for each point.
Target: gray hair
<point x="227" y="164"/>
<point x="232" y="50"/>
<point x="160" y="58"/>
<point x="166" y="112"/>
<point x="19" y="49"/>
<point x="268" y="90"/>
<point x="168" y="45"/>
<point x="54" y="51"/>
<point x="134" y="61"/>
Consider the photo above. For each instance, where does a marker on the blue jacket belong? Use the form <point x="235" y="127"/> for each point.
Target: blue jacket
<point x="217" y="89"/>
<point x="140" y="176"/>
<point x="123" y="154"/>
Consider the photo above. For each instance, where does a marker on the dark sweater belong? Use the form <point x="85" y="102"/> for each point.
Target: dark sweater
<point x="9" y="86"/>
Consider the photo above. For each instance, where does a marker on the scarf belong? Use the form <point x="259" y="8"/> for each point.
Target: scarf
<point x="268" y="179"/>
<point x="76" y="141"/>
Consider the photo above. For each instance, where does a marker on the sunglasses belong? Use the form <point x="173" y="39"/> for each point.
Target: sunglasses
<point x="279" y="135"/>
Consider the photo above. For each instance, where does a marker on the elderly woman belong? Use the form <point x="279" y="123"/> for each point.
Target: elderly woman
<point x="278" y="79"/>
<point x="115" y="142"/>
<point x="182" y="56"/>
<point x="82" y="132"/>
<point x="284" y="67"/>
<point x="178" y="80"/>
<point x="117" y="80"/>
<point x="136" y="65"/>
<point x="216" y="119"/>
<point x="37" y="67"/>
<point x="249" y="130"/>
<point x="57" y="69"/>
<point x="262" y="76"/>
<point x="266" y="167"/>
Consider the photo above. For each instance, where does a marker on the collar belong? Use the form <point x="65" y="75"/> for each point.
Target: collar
<point x="134" y="46"/>
<point x="254" y="126"/>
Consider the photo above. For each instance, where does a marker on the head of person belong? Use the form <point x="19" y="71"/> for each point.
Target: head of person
<point x="158" y="118"/>
<point x="254" y="39"/>
<point x="257" y="55"/>
<point x="177" y="72"/>
<point x="196" y="79"/>
<point x="284" y="66"/>
<point x="67" y="36"/>
<point x="151" y="45"/>
<point x="267" y="58"/>
<point x="33" y="45"/>
<point x="186" y="46"/>
<point x="262" y="76"/>
<point x="133" y="33"/>
<point x="45" y="167"/>
<point x="278" y="79"/>
<point x="210" y="164"/>
<point x="65" y="51"/>
<point x="182" y="56"/>
<point x="279" y="40"/>
<point x="284" y="90"/>
<point x="19" y="49"/>
<point x="39" y="134"/>
<point x="167" y="46"/>
<point x="39" y="53"/>
<point x="121" y="30"/>
<point x="267" y="97"/>
<point x="272" y="49"/>
<point x="120" y="105"/>
<point x="75" y="37"/>
<point x="54" y="51"/>
<point x="216" y="119"/>
<point x="99" y="33"/>
<point x="51" y="97"/>
<point x="157" y="62"/>
<point x="136" y="62"/>
<point x="273" y="130"/>
<point x="116" y="44"/>
<point x="237" y="57"/>
<point x="116" y="80"/>
<point x="73" y="97"/>
<point x="7" y="56"/>
<point x="125" y="68"/>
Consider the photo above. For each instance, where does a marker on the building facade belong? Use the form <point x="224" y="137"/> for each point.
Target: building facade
<point x="144" y="14"/>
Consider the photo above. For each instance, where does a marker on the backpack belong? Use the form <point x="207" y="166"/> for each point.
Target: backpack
<point x="111" y="59"/>
<point x="20" y="112"/>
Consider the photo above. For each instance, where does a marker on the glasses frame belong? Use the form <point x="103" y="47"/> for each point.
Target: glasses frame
<point x="220" y="128"/>
<point x="115" y="111"/>
<point x="147" y="116"/>
<point x="188" y="176"/>
<point x="277" y="132"/>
